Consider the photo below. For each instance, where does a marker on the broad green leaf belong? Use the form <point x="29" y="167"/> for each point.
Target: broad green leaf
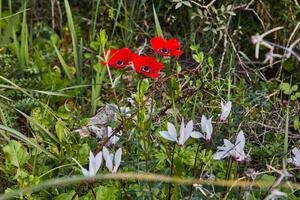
<point x="294" y="88"/>
<point x="66" y="196"/>
<point x="266" y="180"/>
<point x="15" y="154"/>
<point x="104" y="193"/>
<point x="286" y="88"/>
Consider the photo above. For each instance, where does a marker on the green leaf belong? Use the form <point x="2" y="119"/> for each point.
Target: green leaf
<point x="293" y="97"/>
<point x="103" y="37"/>
<point x="63" y="63"/>
<point x="294" y="88"/>
<point x="195" y="47"/>
<point x="15" y="154"/>
<point x="104" y="193"/>
<point x="198" y="57"/>
<point x="76" y="50"/>
<point x="66" y="196"/>
<point x="144" y="86"/>
<point x="60" y="130"/>
<point x="286" y="88"/>
<point x="210" y="61"/>
<point x="187" y="3"/>
<point x="157" y="25"/>
<point x="266" y="180"/>
<point x="30" y="141"/>
<point x="178" y="5"/>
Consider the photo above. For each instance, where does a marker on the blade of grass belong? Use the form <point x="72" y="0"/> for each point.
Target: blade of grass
<point x="93" y="33"/>
<point x="74" y="41"/>
<point x="116" y="18"/>
<point x="42" y="128"/>
<point x="67" y="181"/>
<point x="4" y="122"/>
<point x="96" y="88"/>
<point x="286" y="138"/>
<point x="24" y="40"/>
<point x="157" y="24"/>
<point x="16" y="134"/>
<point x="63" y="63"/>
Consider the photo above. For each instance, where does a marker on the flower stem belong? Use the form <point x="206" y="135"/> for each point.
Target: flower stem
<point x="194" y="169"/>
<point x="171" y="173"/>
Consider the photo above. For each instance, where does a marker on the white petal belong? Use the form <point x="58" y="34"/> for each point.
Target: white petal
<point x="296" y="152"/>
<point x="240" y="141"/>
<point x="182" y="134"/>
<point x="206" y="126"/>
<point x="97" y="162"/>
<point x="91" y="164"/>
<point x="203" y="124"/>
<point x="188" y="130"/>
<point x="83" y="170"/>
<point x="220" y="155"/>
<point x="118" y="156"/>
<point x="109" y="131"/>
<point x="196" y="134"/>
<point x="166" y="135"/>
<point x="226" y="108"/>
<point x="172" y="131"/>
<point x="108" y="159"/>
<point x="86" y="173"/>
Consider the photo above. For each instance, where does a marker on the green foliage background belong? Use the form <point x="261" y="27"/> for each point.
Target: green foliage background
<point x="52" y="82"/>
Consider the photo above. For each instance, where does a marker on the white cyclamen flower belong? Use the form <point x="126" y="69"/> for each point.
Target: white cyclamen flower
<point x="206" y="127"/>
<point x="184" y="133"/>
<point x="94" y="164"/>
<point x="115" y="138"/>
<point x="112" y="162"/>
<point x="226" y="108"/>
<point x="296" y="159"/>
<point x="235" y="150"/>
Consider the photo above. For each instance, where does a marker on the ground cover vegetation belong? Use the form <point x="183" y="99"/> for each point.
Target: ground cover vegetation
<point x="162" y="99"/>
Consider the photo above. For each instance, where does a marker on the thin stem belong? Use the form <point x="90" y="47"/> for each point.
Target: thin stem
<point x="194" y="169"/>
<point x="228" y="171"/>
<point x="286" y="138"/>
<point x="171" y="173"/>
<point x="115" y="95"/>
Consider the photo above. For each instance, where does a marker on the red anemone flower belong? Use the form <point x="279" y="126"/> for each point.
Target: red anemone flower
<point x="166" y="47"/>
<point x="118" y="58"/>
<point x="147" y="65"/>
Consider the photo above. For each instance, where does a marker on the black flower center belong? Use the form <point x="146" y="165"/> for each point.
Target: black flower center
<point x="146" y="69"/>
<point x="120" y="62"/>
<point x="163" y="50"/>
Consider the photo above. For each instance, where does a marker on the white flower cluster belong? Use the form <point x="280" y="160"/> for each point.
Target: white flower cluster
<point x="228" y="149"/>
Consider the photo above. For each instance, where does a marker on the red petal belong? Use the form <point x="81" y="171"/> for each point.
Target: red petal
<point x="173" y="44"/>
<point x="154" y="75"/>
<point x="157" y="43"/>
<point x="177" y="53"/>
<point x="124" y="55"/>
